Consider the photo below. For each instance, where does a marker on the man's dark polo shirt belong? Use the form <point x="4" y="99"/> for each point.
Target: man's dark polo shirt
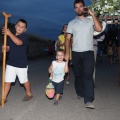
<point x="17" y="56"/>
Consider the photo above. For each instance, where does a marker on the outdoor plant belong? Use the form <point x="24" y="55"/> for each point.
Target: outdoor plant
<point x="101" y="7"/>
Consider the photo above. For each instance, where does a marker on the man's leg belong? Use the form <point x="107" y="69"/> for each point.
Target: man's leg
<point x="88" y="61"/>
<point x="78" y="73"/>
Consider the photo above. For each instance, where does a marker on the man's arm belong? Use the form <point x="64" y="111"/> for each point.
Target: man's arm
<point x="97" y="24"/>
<point x="13" y="38"/>
<point x="66" y="67"/>
<point x="67" y="47"/>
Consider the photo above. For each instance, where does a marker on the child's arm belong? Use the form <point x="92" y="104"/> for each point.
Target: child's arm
<point x="66" y="67"/>
<point x="13" y="38"/>
<point x="51" y="73"/>
<point x="7" y="48"/>
<point x="50" y="68"/>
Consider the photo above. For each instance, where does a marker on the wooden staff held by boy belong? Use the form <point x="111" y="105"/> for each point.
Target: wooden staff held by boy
<point x="4" y="55"/>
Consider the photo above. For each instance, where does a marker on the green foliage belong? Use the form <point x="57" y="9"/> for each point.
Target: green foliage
<point x="100" y="7"/>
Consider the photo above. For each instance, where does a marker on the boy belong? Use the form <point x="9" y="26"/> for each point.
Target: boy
<point x="57" y="71"/>
<point x="17" y="59"/>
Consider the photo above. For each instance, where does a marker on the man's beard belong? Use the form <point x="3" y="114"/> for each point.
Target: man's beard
<point x="80" y="14"/>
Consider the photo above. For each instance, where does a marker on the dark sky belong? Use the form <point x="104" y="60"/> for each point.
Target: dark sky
<point x="45" y="17"/>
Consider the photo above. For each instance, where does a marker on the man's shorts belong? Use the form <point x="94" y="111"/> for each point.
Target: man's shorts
<point x="12" y="72"/>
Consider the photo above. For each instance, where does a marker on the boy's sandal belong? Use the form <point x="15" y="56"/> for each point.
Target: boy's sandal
<point x="27" y="98"/>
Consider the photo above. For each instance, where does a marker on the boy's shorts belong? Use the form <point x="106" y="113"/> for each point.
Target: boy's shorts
<point x="58" y="87"/>
<point x="12" y="72"/>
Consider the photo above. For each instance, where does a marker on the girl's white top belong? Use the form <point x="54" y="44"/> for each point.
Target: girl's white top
<point x="58" y="71"/>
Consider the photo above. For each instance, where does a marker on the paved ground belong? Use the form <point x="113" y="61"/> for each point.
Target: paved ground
<point x="107" y="97"/>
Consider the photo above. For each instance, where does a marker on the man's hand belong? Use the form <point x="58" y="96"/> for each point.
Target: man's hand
<point x="97" y="24"/>
<point x="67" y="57"/>
<point x="90" y="12"/>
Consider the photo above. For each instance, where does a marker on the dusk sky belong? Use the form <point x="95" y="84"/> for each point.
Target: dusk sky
<point x="45" y="18"/>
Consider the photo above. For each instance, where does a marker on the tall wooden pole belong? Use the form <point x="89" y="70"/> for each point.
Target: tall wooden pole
<point x="4" y="56"/>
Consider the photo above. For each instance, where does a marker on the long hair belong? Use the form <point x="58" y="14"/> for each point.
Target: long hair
<point x="63" y="28"/>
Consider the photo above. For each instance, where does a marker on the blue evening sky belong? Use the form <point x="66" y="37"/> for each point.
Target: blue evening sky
<point x="45" y="17"/>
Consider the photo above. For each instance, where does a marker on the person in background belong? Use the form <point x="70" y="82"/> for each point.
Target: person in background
<point x="118" y="38"/>
<point x="110" y="52"/>
<point x="56" y="47"/>
<point x="99" y="53"/>
<point x="61" y="45"/>
<point x="82" y="29"/>
<point x="114" y="52"/>
<point x="96" y="39"/>
<point x="50" y="49"/>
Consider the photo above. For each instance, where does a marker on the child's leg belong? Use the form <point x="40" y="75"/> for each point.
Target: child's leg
<point x="59" y="90"/>
<point x="28" y="95"/>
<point x="61" y="95"/>
<point x="23" y="78"/>
<point x="10" y="77"/>
<point x="57" y="97"/>
<point x="7" y="89"/>
<point x="28" y="88"/>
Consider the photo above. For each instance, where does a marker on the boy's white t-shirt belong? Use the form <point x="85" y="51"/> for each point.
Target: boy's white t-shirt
<point x="58" y="71"/>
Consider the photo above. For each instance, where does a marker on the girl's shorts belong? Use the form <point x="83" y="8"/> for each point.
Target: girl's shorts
<point x="58" y="87"/>
<point x="12" y="72"/>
